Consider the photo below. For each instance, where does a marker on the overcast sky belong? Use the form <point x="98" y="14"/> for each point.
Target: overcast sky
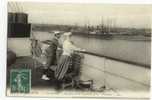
<point x="93" y="14"/>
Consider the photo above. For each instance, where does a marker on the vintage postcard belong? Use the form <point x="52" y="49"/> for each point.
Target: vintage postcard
<point x="78" y="50"/>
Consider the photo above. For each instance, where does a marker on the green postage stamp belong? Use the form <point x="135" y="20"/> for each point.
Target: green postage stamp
<point x="20" y="80"/>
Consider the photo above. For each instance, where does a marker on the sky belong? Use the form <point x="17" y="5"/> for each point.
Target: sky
<point x="137" y="16"/>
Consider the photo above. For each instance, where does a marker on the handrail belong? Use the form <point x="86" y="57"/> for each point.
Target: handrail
<point x="116" y="59"/>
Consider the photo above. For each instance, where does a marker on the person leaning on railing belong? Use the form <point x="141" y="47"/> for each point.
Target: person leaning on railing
<point x="65" y="59"/>
<point x="45" y="52"/>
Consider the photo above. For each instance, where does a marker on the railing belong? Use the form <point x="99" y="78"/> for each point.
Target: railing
<point x="112" y="58"/>
<point x="114" y="73"/>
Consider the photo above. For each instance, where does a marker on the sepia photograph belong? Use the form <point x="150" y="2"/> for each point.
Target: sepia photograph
<point x="78" y="50"/>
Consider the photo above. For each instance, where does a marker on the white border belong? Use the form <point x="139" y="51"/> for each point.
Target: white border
<point x="93" y="1"/>
<point x="3" y="37"/>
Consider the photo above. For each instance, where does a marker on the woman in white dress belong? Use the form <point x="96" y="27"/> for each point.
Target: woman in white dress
<point x="66" y="59"/>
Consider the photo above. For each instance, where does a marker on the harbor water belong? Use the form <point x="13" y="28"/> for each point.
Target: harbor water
<point x="136" y="51"/>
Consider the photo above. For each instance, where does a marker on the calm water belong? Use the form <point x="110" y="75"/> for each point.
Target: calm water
<point x="129" y="50"/>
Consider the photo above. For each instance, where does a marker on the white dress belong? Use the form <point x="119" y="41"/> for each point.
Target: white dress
<point x="65" y="60"/>
<point x="69" y="48"/>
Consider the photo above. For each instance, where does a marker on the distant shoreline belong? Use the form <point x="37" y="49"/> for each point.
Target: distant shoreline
<point x="120" y="37"/>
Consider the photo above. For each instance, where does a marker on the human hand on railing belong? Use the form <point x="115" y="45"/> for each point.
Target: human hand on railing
<point x="82" y="50"/>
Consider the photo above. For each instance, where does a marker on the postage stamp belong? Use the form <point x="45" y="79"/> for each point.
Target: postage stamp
<point x="20" y="80"/>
